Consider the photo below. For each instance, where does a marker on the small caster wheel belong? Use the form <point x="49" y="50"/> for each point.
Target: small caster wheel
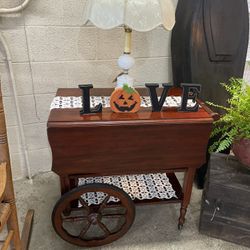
<point x="180" y="226"/>
<point x="93" y="215"/>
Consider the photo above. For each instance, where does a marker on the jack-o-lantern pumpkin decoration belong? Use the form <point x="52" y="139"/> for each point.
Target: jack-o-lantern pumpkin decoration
<point x="125" y="99"/>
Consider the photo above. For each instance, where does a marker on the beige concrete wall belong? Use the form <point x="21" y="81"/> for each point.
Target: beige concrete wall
<point x="51" y="48"/>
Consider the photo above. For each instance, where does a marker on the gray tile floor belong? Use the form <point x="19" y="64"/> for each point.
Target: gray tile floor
<point x="155" y="227"/>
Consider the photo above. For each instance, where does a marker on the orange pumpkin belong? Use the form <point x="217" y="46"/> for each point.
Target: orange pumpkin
<point x="125" y="99"/>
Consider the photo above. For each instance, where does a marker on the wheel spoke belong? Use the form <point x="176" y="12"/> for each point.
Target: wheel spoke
<point x="103" y="227"/>
<point x="83" y="203"/>
<point x="118" y="206"/>
<point x="84" y="231"/>
<point x="104" y="203"/>
<point x="111" y="209"/>
<point x="113" y="215"/>
<point x="75" y="218"/>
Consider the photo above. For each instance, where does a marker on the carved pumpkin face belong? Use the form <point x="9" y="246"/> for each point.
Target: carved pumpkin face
<point x="125" y="99"/>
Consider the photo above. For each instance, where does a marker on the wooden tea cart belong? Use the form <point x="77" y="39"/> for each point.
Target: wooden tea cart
<point x="89" y="149"/>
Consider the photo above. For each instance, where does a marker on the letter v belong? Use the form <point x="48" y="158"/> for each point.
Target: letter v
<point x="157" y="105"/>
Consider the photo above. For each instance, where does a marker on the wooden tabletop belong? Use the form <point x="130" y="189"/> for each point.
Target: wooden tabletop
<point x="107" y="117"/>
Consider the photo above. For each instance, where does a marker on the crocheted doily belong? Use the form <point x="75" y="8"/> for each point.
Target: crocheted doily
<point x="142" y="187"/>
<point x="76" y="102"/>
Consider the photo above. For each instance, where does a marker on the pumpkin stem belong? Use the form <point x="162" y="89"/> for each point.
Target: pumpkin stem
<point x="128" y="89"/>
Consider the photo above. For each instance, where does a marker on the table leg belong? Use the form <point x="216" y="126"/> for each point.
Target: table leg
<point x="65" y="184"/>
<point x="68" y="184"/>
<point x="187" y="190"/>
<point x="65" y="187"/>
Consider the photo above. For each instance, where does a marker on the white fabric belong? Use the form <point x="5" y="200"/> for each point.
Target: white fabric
<point x="66" y="102"/>
<point x="139" y="15"/>
<point x="141" y="186"/>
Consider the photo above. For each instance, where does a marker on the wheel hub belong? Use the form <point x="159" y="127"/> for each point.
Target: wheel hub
<point x="93" y="218"/>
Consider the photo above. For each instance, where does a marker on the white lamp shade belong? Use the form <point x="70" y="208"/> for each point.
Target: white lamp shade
<point x="139" y="15"/>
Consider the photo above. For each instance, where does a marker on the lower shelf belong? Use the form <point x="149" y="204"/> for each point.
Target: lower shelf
<point x="178" y="191"/>
<point x="142" y="188"/>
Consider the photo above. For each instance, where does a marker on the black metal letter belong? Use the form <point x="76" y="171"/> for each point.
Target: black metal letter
<point x="157" y="105"/>
<point x="190" y="91"/>
<point x="86" y="101"/>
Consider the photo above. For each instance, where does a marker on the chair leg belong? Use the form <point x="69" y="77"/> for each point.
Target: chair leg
<point x="8" y="240"/>
<point x="9" y="194"/>
<point x="26" y="233"/>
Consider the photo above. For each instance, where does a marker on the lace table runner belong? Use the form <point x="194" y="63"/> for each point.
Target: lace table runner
<point x="66" y="102"/>
<point x="142" y="187"/>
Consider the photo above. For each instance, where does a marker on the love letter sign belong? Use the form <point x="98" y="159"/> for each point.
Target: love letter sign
<point x="190" y="92"/>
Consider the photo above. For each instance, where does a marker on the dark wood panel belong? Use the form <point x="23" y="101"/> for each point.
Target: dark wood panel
<point x="226" y="170"/>
<point x="228" y="179"/>
<point x="224" y="229"/>
<point x="127" y="148"/>
<point x="229" y="194"/>
<point x="219" y="24"/>
<point x="227" y="188"/>
<point x="203" y="48"/>
<point x="230" y="209"/>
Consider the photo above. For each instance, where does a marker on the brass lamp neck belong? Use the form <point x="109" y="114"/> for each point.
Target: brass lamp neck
<point x="128" y="35"/>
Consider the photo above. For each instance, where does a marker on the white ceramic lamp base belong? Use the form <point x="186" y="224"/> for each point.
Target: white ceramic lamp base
<point x="125" y="62"/>
<point x="124" y="79"/>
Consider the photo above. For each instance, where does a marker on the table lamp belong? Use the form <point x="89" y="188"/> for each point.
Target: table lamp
<point x="138" y="15"/>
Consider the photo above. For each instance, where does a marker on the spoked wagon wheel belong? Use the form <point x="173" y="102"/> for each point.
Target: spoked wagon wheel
<point x="102" y="213"/>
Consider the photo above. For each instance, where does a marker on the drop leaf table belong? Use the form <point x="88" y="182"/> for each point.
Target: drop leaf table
<point x="108" y="162"/>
